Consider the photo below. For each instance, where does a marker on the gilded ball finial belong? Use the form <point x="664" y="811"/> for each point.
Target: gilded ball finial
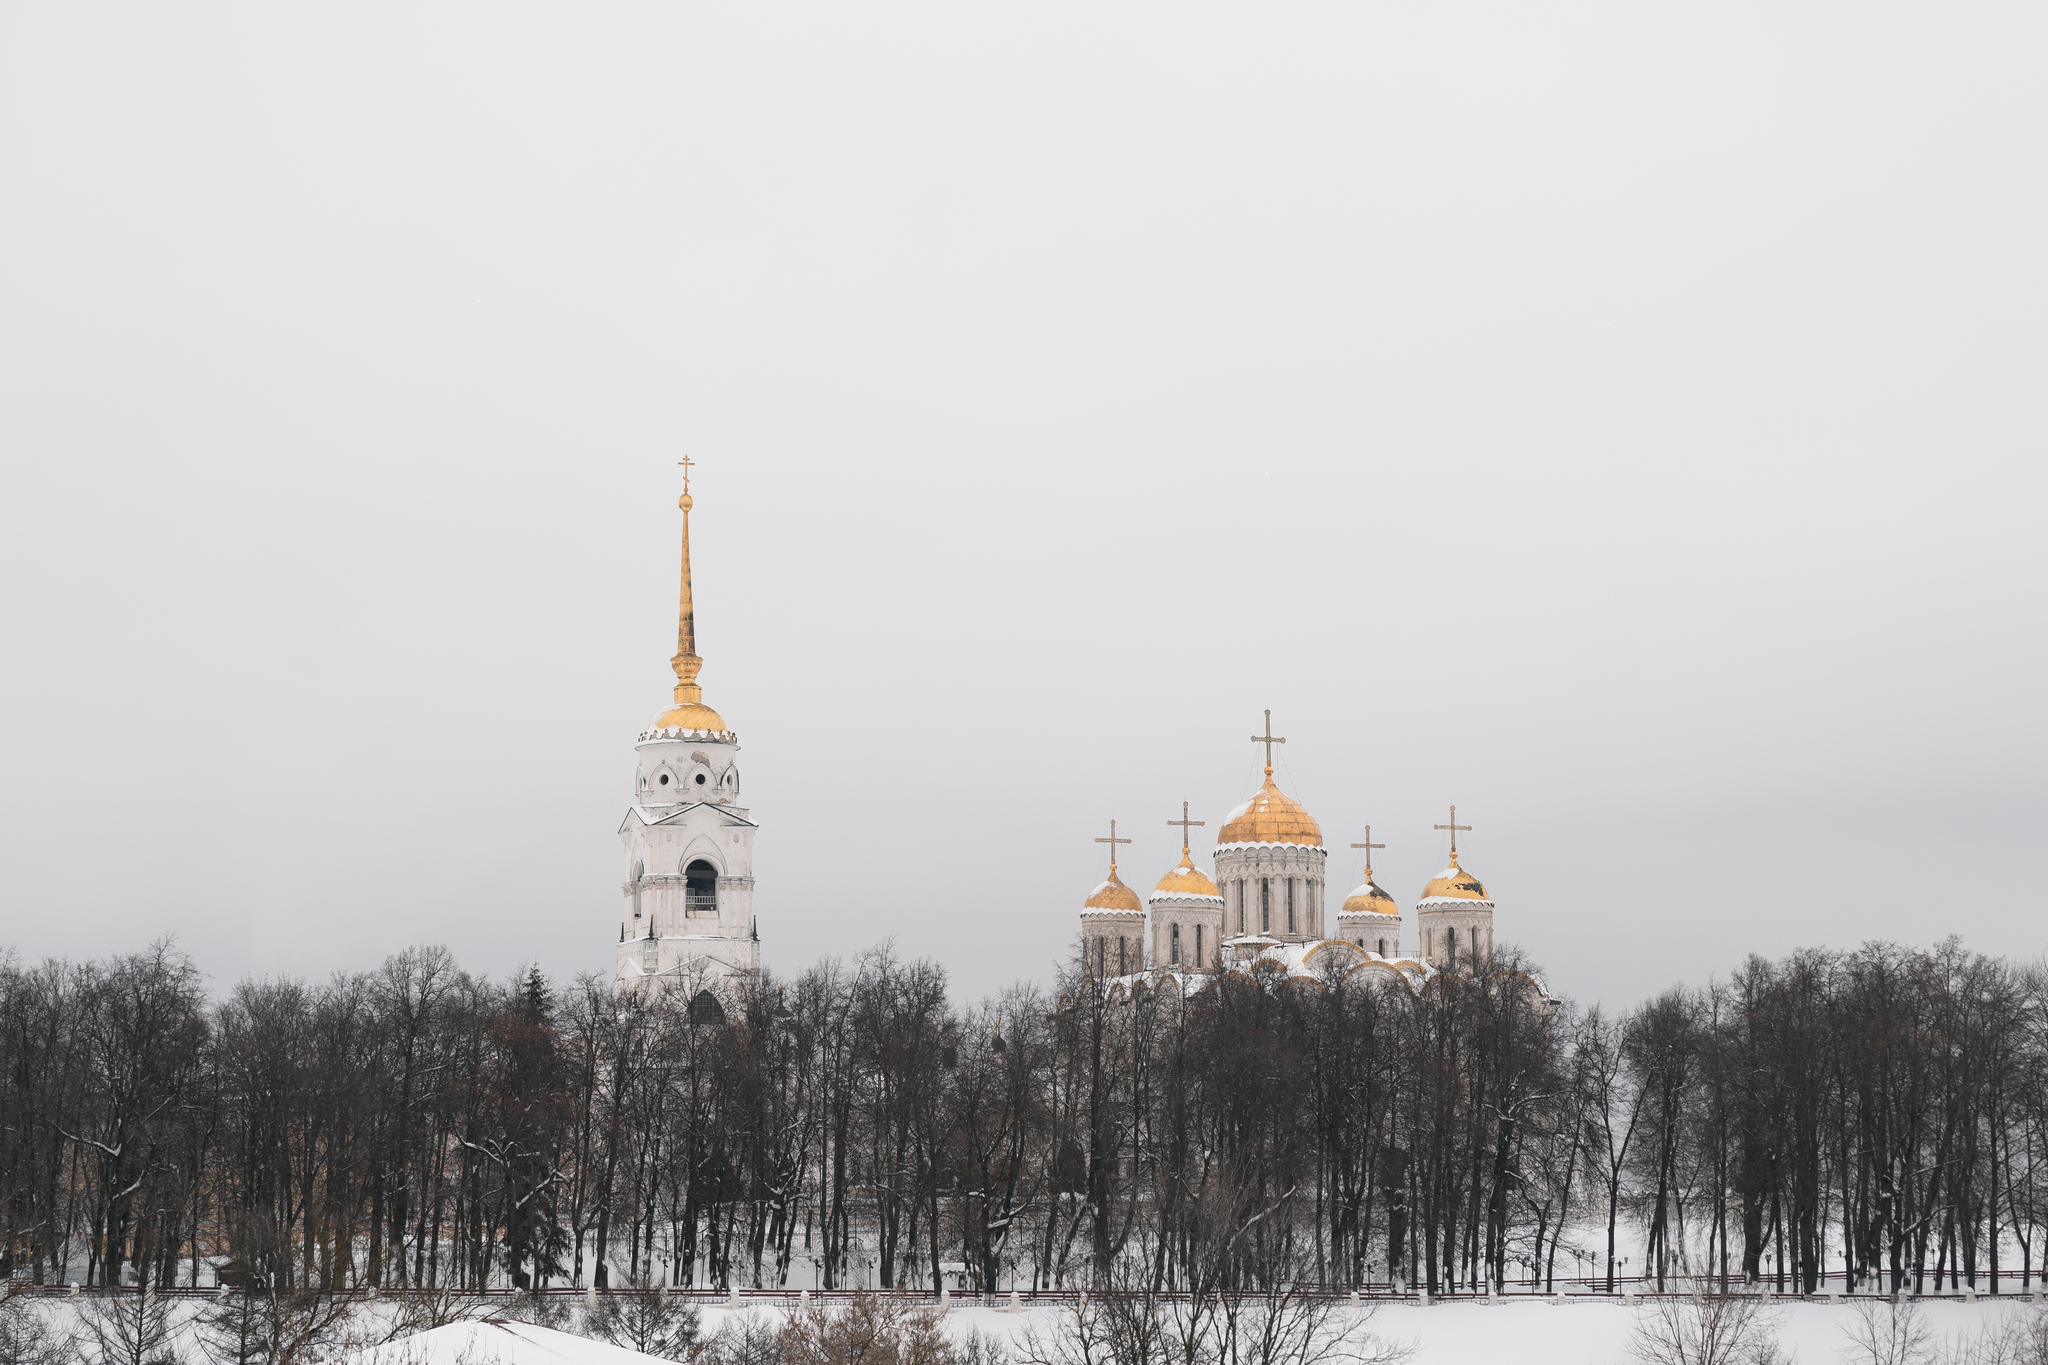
<point x="685" y="502"/>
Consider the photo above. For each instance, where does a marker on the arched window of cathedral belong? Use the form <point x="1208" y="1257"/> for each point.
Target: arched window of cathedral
<point x="702" y="779"/>
<point x="664" y="779"/>
<point x="705" y="1009"/>
<point x="1198" y="945"/>
<point x="1240" y="905"/>
<point x="1173" y="935"/>
<point x="1451" y="949"/>
<point x="700" y="889"/>
<point x="1265" y="905"/>
<point x="1290" y="905"/>
<point x="1101" y="955"/>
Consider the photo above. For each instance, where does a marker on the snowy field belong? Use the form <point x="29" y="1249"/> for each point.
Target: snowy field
<point x="1527" y="1331"/>
<point x="1534" y="1332"/>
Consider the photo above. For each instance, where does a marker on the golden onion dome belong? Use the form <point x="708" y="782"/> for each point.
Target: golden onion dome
<point x="689" y="715"/>
<point x="1186" y="880"/>
<point x="1270" y="817"/>
<point x="1369" y="900"/>
<point x="1114" y="895"/>
<point x="1454" y="883"/>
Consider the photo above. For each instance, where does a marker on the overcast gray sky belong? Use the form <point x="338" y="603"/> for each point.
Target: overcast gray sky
<point x="1624" y="421"/>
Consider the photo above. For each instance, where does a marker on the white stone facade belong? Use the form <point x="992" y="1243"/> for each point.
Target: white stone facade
<point x="689" y="890"/>
<point x="1272" y="889"/>
<point x="1456" y="934"/>
<point x="1113" y="942"/>
<point x="1187" y="932"/>
<point x="1379" y="934"/>
<point x="688" y="914"/>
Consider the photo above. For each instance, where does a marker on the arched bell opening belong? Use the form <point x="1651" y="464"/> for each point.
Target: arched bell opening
<point x="700" y="889"/>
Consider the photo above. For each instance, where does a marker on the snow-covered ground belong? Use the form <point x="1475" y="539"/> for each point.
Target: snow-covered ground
<point x="1522" y="1330"/>
<point x="1534" y="1332"/>
<point x="494" y="1343"/>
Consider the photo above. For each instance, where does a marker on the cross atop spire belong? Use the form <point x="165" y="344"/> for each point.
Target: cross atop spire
<point x="1269" y="739"/>
<point x="1185" y="824"/>
<point x="1453" y="827"/>
<point x="1369" y="846"/>
<point x="686" y="462"/>
<point x="1112" y="841"/>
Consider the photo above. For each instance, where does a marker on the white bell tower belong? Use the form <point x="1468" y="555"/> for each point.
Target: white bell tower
<point x="688" y="917"/>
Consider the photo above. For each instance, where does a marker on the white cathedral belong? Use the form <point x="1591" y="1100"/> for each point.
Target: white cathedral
<point x="688" y="914"/>
<point x="688" y="917"/>
<point x="1265" y="910"/>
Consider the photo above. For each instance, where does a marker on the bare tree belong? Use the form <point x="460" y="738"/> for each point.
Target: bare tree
<point x="749" y="1338"/>
<point x="1887" y="1331"/>
<point x="870" y="1330"/>
<point x="1704" y="1329"/>
<point x="130" y="1329"/>
<point x="2015" y="1339"/>
<point x="1613" y="1109"/>
<point x="272" y="1324"/>
<point x="30" y="1338"/>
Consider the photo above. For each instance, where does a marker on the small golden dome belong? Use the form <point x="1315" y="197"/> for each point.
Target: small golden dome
<point x="1270" y="817"/>
<point x="1369" y="900"/>
<point x="1186" y="880"/>
<point x="1454" y="883"/>
<point x="1114" y="895"/>
<point x="689" y="715"/>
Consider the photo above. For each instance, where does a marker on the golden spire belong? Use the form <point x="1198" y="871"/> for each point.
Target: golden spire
<point x="689" y="711"/>
<point x="686" y="663"/>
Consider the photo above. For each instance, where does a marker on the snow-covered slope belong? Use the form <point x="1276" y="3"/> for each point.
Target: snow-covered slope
<point x="496" y="1343"/>
<point x="1531" y="1331"/>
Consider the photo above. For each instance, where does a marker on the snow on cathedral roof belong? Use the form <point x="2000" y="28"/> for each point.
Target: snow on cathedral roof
<point x="1271" y="816"/>
<point x="1186" y="882"/>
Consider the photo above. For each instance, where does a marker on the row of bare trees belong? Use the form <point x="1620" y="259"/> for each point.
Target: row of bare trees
<point x="1880" y="1115"/>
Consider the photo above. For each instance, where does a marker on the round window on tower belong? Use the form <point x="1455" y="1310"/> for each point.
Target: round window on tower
<point x="700" y="779"/>
<point x="664" y="779"/>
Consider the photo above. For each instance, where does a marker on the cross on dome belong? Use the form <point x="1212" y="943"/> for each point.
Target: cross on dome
<point x="1269" y="739"/>
<point x="1453" y="827"/>
<point x="1112" y="841"/>
<point x="1184" y="823"/>
<point x="1369" y="846"/>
